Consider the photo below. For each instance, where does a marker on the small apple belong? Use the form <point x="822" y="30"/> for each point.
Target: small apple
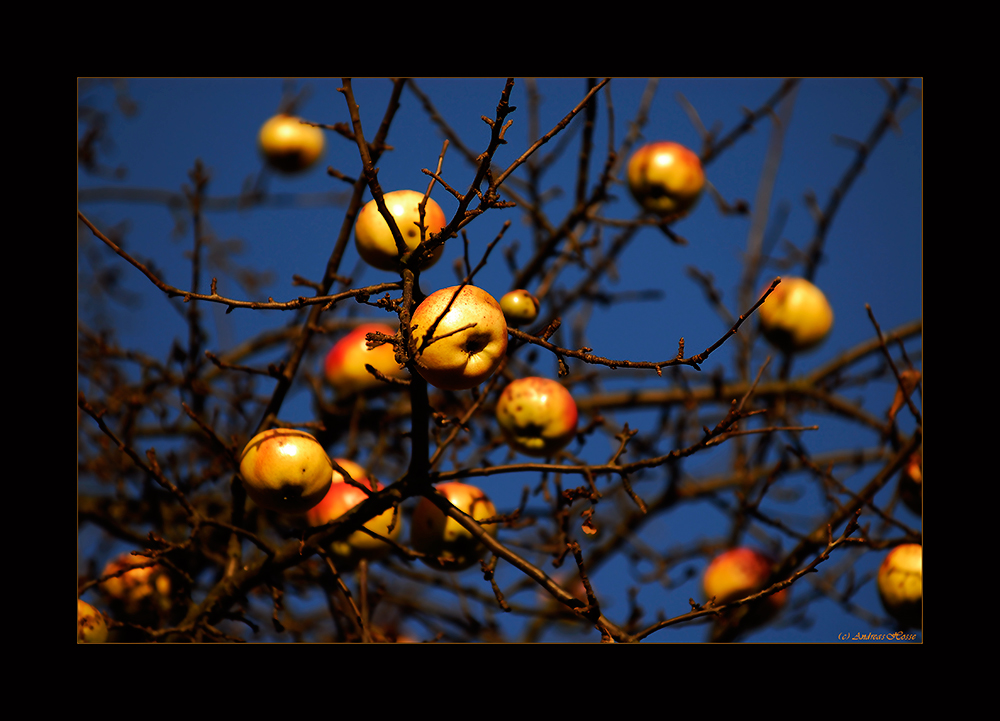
<point x="285" y="470"/>
<point x="519" y="307"/>
<point x="901" y="584"/>
<point x="742" y="572"/>
<point x="566" y="618"/>
<point x="145" y="586"/>
<point x="537" y="416"/>
<point x="449" y="546"/>
<point x="471" y="332"/>
<point x="911" y="483"/>
<point x="288" y="145"/>
<point x="666" y="178"/>
<point x="344" y="368"/>
<point x="341" y="498"/>
<point x="374" y="240"/>
<point x="796" y="316"/>
<point x="91" y="627"/>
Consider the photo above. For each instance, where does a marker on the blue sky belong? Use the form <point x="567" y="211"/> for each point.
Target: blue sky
<point x="873" y="250"/>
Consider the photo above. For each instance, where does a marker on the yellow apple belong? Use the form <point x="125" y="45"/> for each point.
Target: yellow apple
<point x="901" y="584"/>
<point x="537" y="416"/>
<point x="519" y="307"/>
<point x="341" y="498"/>
<point x="374" y="240"/>
<point x="448" y="545"/>
<point x="666" y="178"/>
<point x="472" y="333"/>
<point x="344" y="368"/>
<point x="90" y="624"/>
<point x="796" y="316"/>
<point x="911" y="483"/>
<point x="142" y="587"/>
<point x="288" y="145"/>
<point x="285" y="470"/>
<point x="738" y="573"/>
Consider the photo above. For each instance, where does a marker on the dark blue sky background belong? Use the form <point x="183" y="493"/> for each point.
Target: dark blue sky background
<point x="873" y="252"/>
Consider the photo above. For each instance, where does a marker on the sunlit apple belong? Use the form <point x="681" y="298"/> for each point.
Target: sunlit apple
<point x="373" y="237"/>
<point x="666" y="178"/>
<point x="341" y="498"/>
<point x="285" y="470"/>
<point x="470" y="337"/>
<point x="448" y="545"/>
<point x="901" y="584"/>
<point x="537" y="415"/>
<point x="520" y="307"/>
<point x="345" y="370"/>
<point x="289" y="145"/>
<point x="796" y="316"/>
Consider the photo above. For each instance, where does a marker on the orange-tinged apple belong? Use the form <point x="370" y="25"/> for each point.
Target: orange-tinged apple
<point x="519" y="307"/>
<point x="344" y="368"/>
<point x="374" y="240"/>
<point x="91" y="627"/>
<point x="288" y="145"/>
<point x="341" y="498"/>
<point x="448" y="545"/>
<point x="911" y="483"/>
<point x="537" y="416"/>
<point x="471" y="334"/>
<point x="285" y="470"/>
<point x="147" y="586"/>
<point x="738" y="573"/>
<point x="666" y="178"/>
<point x="796" y="316"/>
<point x="901" y="584"/>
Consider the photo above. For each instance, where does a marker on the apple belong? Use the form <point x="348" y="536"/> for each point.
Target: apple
<point x="738" y="573"/>
<point x="91" y="627"/>
<point x="519" y="307"/>
<point x="448" y="545"/>
<point x="901" y="584"/>
<point x="666" y="178"/>
<point x="285" y="470"/>
<point x="139" y="587"/>
<point x="341" y="498"/>
<point x="537" y="416"/>
<point x="344" y="368"/>
<point x="796" y="316"/>
<point x="565" y="617"/>
<point x="374" y="240"/>
<point x="472" y="333"/>
<point x="288" y="145"/>
<point x="911" y="483"/>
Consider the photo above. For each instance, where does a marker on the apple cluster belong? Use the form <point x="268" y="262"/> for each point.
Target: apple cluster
<point x="139" y="589"/>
